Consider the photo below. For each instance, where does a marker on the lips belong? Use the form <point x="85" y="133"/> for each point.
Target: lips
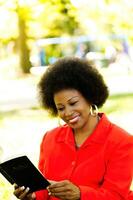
<point x="73" y="120"/>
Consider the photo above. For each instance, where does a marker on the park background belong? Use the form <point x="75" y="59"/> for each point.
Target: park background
<point x="33" y="34"/>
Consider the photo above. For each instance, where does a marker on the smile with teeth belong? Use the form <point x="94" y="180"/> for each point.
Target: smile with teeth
<point x="74" y="119"/>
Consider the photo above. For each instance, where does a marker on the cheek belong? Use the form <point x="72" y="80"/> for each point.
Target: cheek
<point x="85" y="110"/>
<point x="61" y="115"/>
<point x="85" y="113"/>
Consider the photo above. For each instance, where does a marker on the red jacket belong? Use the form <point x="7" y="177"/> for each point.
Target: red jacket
<point x="102" y="167"/>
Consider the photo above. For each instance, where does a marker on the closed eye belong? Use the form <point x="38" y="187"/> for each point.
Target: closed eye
<point x="73" y="103"/>
<point x="60" y="109"/>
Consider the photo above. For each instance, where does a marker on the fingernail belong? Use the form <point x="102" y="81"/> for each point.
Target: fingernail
<point x="22" y="188"/>
<point x="27" y="189"/>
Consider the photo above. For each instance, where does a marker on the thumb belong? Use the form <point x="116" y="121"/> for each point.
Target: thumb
<point x="33" y="195"/>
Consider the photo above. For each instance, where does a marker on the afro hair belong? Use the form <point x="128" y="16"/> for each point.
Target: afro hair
<point x="72" y="73"/>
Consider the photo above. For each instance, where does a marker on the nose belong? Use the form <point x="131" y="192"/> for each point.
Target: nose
<point x="68" y="112"/>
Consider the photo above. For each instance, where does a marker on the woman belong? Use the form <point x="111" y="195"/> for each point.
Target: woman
<point x="88" y="157"/>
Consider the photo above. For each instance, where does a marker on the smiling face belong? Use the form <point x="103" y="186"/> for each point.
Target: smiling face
<point x="72" y="108"/>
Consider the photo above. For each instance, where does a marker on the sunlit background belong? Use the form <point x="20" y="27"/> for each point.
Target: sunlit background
<point x="33" y="34"/>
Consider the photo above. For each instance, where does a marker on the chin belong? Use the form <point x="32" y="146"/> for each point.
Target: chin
<point x="75" y="126"/>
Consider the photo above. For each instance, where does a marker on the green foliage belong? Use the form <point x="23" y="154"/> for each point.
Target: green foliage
<point x="58" y="18"/>
<point x="26" y="20"/>
<point x="119" y="103"/>
<point x="6" y="190"/>
<point x="107" y="17"/>
<point x="38" y="20"/>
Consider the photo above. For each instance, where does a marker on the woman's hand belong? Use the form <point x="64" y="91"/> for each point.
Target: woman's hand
<point x="64" y="190"/>
<point x="23" y="193"/>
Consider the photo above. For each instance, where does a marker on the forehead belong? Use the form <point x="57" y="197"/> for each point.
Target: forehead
<point x="66" y="95"/>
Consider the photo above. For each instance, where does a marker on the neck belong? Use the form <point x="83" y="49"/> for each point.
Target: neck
<point x="89" y="126"/>
<point x="82" y="134"/>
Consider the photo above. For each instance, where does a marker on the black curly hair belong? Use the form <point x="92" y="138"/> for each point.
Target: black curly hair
<point x="72" y="73"/>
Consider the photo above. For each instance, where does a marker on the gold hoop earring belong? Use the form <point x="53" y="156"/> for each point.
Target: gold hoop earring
<point x="93" y="110"/>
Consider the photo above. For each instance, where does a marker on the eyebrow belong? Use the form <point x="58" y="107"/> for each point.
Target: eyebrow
<point x="71" y="98"/>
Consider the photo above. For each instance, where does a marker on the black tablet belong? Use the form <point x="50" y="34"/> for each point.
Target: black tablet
<point x="20" y="170"/>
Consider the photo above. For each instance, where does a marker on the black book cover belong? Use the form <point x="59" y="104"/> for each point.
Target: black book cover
<point x="20" y="170"/>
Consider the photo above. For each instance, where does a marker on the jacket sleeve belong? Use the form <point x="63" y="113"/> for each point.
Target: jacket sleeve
<point x="42" y="194"/>
<point x="118" y="176"/>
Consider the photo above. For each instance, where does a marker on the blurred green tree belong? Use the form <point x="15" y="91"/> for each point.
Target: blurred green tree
<point x="39" y="19"/>
<point x="23" y="14"/>
<point x="27" y="21"/>
<point x="60" y="18"/>
<point x="105" y="17"/>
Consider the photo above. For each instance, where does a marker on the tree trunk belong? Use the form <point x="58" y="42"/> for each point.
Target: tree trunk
<point x="24" y="53"/>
